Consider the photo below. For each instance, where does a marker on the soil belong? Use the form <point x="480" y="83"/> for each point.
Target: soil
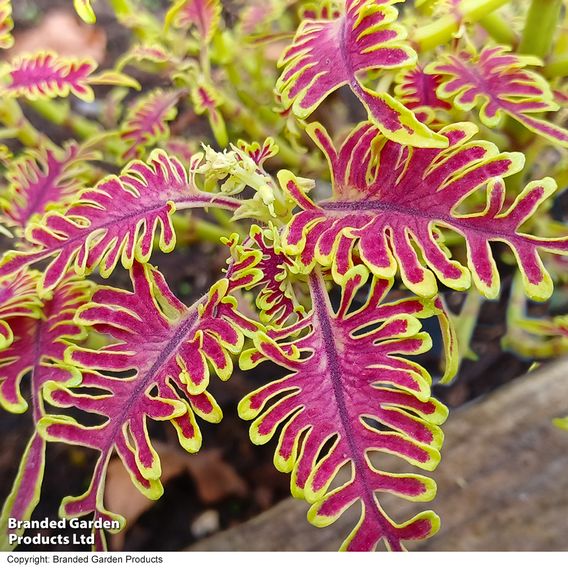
<point x="171" y="523"/>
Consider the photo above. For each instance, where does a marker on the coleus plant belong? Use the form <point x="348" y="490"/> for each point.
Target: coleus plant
<point x="431" y="191"/>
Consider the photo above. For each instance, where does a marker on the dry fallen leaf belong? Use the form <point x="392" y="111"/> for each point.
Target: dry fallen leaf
<point x="62" y="32"/>
<point x="214" y="478"/>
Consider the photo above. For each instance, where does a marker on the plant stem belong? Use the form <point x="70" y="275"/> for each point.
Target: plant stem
<point x="145" y="26"/>
<point x="466" y="322"/>
<point x="59" y="114"/>
<point x="538" y="33"/>
<point x="121" y="7"/>
<point x="224" y="219"/>
<point x="561" y="46"/>
<point x="518" y="338"/>
<point x="499" y="29"/>
<point x="190" y="229"/>
<point x="11" y="116"/>
<point x="557" y="67"/>
<point x="441" y="31"/>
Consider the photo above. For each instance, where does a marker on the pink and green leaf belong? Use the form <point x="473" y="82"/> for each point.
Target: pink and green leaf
<point x="259" y="153"/>
<point x="40" y="180"/>
<point x="85" y="11"/>
<point x="391" y="202"/>
<point x="351" y="394"/>
<point x="46" y="75"/>
<point x="114" y="79"/>
<point x="38" y="350"/>
<point x="498" y="82"/>
<point x="417" y="89"/>
<point x="561" y="423"/>
<point x="152" y="53"/>
<point x="327" y="54"/>
<point x="204" y="15"/>
<point x="543" y="338"/>
<point x="206" y="99"/>
<point x="256" y="16"/>
<point x="156" y="368"/>
<point x="118" y="220"/>
<point x="39" y="343"/>
<point x="18" y="299"/>
<point x="6" y="24"/>
<point x="258" y="264"/>
<point x="146" y="123"/>
<point x="323" y="10"/>
<point x="554" y="327"/>
<point x="444" y="8"/>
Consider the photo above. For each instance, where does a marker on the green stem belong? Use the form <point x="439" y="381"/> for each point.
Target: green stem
<point x="538" y="34"/>
<point x="206" y="231"/>
<point x="246" y="74"/>
<point x="466" y="322"/>
<point x="265" y="112"/>
<point x="58" y="113"/>
<point x="224" y="219"/>
<point x="121" y="7"/>
<point x="190" y="229"/>
<point x="499" y="29"/>
<point x="11" y="116"/>
<point x="518" y="339"/>
<point x="442" y="30"/>
<point x="557" y="67"/>
<point x="145" y="26"/>
<point x="532" y="152"/>
<point x="561" y="177"/>
<point x="561" y="46"/>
